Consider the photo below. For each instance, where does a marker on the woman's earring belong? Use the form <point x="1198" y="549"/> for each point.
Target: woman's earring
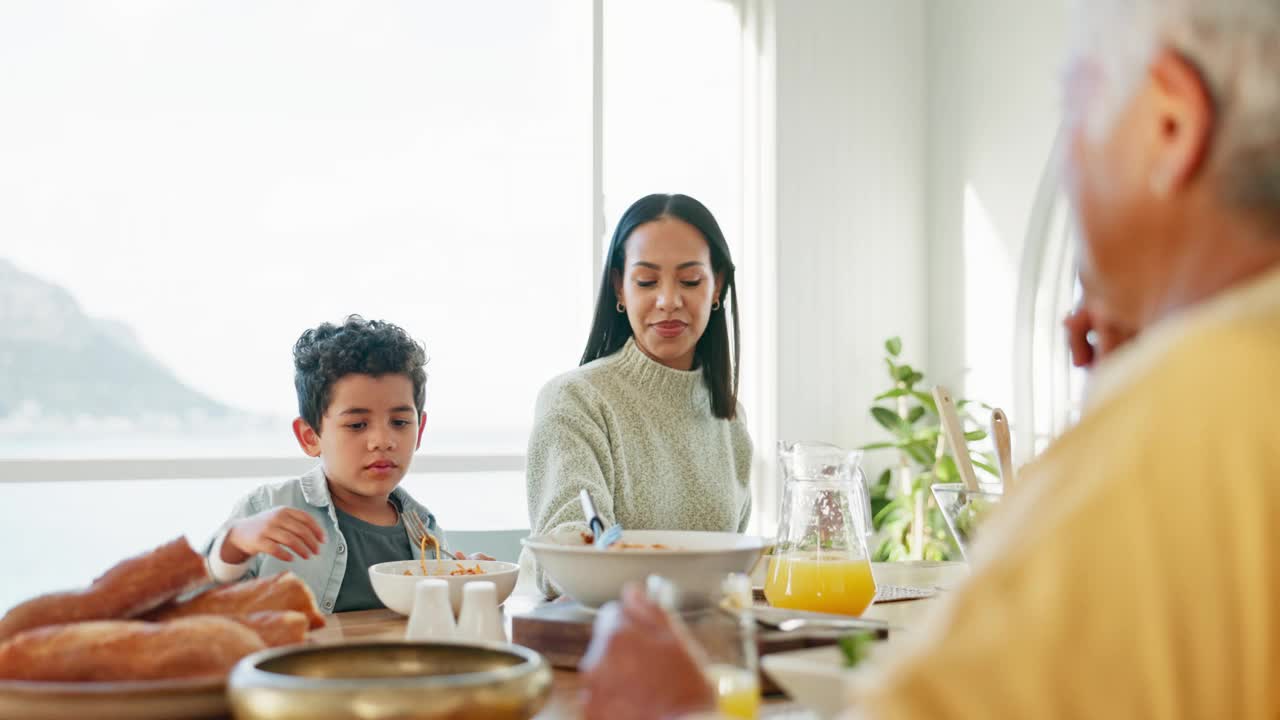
<point x="621" y="308"/>
<point x="715" y="305"/>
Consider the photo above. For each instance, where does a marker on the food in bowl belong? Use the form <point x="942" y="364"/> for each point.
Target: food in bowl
<point x="856" y="646"/>
<point x="394" y="582"/>
<point x="589" y="539"/>
<point x="460" y="570"/>
<point x="965" y="510"/>
<point x="695" y="562"/>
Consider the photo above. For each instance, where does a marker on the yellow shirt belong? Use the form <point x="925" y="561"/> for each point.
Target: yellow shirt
<point x="1135" y="571"/>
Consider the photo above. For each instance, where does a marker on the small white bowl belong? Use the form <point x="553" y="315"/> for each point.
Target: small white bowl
<point x="813" y="677"/>
<point x="695" y="562"/>
<point x="395" y="589"/>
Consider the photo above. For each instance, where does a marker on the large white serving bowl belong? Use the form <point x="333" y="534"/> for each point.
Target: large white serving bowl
<point x="695" y="562"/>
<point x="395" y="589"/>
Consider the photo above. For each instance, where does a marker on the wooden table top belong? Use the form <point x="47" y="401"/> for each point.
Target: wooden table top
<point x="563" y="704"/>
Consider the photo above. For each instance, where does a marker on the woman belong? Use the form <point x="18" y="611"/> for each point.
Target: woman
<point x="650" y="423"/>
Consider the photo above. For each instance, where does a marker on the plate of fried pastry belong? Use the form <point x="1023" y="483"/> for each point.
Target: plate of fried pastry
<point x="136" y="643"/>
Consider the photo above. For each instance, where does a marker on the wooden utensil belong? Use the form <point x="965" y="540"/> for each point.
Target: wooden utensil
<point x="954" y="432"/>
<point x="1004" y="447"/>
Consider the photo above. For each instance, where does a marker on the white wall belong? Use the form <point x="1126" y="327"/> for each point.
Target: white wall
<point x="993" y="102"/>
<point x="851" y="123"/>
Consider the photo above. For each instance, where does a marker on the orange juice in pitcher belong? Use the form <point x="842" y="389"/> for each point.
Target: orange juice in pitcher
<point x="820" y="560"/>
<point x="820" y="582"/>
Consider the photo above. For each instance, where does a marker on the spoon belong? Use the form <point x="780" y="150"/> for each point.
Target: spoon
<point x="603" y="538"/>
<point x="1004" y="447"/>
<point x="954" y="431"/>
<point x="787" y="621"/>
<point x="794" y="624"/>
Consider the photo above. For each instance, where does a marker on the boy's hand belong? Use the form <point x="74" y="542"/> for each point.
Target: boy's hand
<point x="473" y="556"/>
<point x="271" y="532"/>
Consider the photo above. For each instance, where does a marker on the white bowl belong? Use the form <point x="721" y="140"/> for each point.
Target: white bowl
<point x="695" y="562"/>
<point x="813" y="677"/>
<point x="395" y="589"/>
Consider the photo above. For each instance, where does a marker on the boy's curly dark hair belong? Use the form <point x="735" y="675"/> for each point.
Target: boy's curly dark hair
<point x="325" y="354"/>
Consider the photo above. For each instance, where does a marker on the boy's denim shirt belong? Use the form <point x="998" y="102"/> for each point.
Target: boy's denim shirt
<point x="322" y="572"/>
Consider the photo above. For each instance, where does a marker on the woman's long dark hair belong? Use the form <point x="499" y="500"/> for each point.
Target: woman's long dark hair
<point x="610" y="328"/>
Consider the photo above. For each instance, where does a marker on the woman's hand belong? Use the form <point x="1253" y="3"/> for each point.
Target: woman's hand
<point x="1107" y="335"/>
<point x="271" y="532"/>
<point x="639" y="666"/>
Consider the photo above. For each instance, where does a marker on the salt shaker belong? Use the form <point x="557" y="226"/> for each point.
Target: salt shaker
<point x="480" y="619"/>
<point x="432" y="616"/>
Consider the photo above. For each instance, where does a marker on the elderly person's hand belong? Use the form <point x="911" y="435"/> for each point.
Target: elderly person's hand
<point x="639" y="664"/>
<point x="1107" y="336"/>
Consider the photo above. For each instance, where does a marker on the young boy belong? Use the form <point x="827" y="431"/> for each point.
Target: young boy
<point x="360" y="400"/>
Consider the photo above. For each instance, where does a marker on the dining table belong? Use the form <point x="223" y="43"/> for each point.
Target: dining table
<point x="564" y="702"/>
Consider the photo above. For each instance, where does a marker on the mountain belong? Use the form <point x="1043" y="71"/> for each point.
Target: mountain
<point x="55" y="360"/>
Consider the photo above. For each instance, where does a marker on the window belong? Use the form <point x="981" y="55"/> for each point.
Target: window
<point x="188" y="186"/>
<point x="673" y="107"/>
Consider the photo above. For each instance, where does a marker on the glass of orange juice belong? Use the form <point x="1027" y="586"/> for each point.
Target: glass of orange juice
<point x="724" y="642"/>
<point x="737" y="690"/>
<point x="820" y="562"/>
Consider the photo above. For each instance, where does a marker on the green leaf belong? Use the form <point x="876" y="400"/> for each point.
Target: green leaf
<point x="915" y="378"/>
<point x="888" y="547"/>
<point x="890" y="421"/>
<point x="885" y="478"/>
<point x="918" y="452"/>
<point x="927" y="435"/>
<point x="894" y="346"/>
<point x="946" y="470"/>
<point x="894" y="393"/>
<point x="856" y="646"/>
<point x="878" y="446"/>
<point x="895" y="511"/>
<point x="933" y="552"/>
<point x="926" y="399"/>
<point x="983" y="466"/>
<point x="903" y="373"/>
<point x="973" y="435"/>
<point x="916" y="413"/>
<point x="921" y="484"/>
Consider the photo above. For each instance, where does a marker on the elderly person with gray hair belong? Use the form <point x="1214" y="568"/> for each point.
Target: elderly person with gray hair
<point x="1134" y="572"/>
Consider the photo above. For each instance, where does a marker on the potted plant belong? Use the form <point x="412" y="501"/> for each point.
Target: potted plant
<point x="907" y="520"/>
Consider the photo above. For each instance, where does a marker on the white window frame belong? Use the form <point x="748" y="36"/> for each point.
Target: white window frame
<point x="758" y="263"/>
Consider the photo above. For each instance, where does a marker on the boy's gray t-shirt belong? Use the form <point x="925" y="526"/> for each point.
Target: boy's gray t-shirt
<point x="367" y="544"/>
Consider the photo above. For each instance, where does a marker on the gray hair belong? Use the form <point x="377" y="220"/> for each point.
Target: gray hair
<point x="1236" y="46"/>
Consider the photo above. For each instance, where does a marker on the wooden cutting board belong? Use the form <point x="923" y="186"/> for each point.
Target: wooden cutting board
<point x="561" y="631"/>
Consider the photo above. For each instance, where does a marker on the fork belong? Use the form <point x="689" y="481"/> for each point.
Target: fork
<point x="418" y="531"/>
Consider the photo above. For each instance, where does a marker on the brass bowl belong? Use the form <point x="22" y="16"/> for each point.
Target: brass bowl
<point x="390" y="680"/>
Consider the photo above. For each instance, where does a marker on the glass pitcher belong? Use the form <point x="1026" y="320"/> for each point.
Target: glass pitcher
<point x="820" y="561"/>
